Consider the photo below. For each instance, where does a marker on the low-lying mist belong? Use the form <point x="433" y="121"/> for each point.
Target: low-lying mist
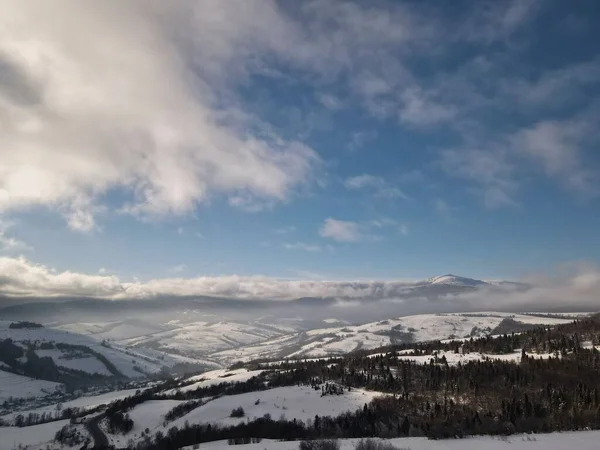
<point x="36" y="292"/>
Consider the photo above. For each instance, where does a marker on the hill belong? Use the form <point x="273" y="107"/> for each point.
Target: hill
<point x="543" y="379"/>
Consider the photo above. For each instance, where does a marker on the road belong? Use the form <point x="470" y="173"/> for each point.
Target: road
<point x="92" y="425"/>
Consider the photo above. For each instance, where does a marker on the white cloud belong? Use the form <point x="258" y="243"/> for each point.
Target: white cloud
<point x="340" y="230"/>
<point x="157" y="118"/>
<point x="10" y="244"/>
<point x="360" y="138"/>
<point x="162" y="121"/>
<point x="24" y="278"/>
<point x="177" y="268"/>
<point x="490" y="169"/>
<point x="404" y="230"/>
<point x="383" y="222"/>
<point x="553" y="89"/>
<point x="556" y="146"/>
<point x="285" y="230"/>
<point x="330" y="101"/>
<point x="302" y="246"/>
<point x="249" y="204"/>
<point x="391" y="192"/>
<point x="574" y="285"/>
<point x="362" y="181"/>
<point x="497" y="21"/>
<point x="21" y="277"/>
<point x="378" y="184"/>
<point x="418" y="109"/>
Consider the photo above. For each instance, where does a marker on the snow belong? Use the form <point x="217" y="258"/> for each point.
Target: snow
<point x="138" y="347"/>
<point x="537" y="320"/>
<point x="149" y="414"/>
<point x="219" y="376"/>
<point x="89" y="364"/>
<point x="34" y="436"/>
<point x="125" y="360"/>
<point x="580" y="440"/>
<point x="300" y="402"/>
<point x="454" y="281"/>
<point x="589" y="345"/>
<point x="340" y="339"/>
<point x="18" y="386"/>
<point x="294" y="402"/>
<point x="202" y="338"/>
<point x="266" y="349"/>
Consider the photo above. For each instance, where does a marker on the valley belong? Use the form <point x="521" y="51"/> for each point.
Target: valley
<point x="128" y="379"/>
<point x="112" y="359"/>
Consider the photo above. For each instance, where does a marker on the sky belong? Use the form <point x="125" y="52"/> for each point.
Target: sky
<point x="152" y="143"/>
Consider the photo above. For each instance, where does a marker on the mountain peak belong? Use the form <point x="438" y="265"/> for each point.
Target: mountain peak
<point x="454" y="280"/>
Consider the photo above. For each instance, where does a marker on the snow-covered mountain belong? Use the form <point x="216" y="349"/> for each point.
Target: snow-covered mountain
<point x="95" y="341"/>
<point x="36" y="360"/>
<point x="101" y="352"/>
<point x="454" y="280"/>
<point x="339" y="340"/>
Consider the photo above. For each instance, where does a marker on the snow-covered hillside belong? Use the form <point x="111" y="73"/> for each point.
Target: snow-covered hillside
<point x="301" y="401"/>
<point x="224" y="342"/>
<point x="17" y="386"/>
<point x="73" y="351"/>
<point x="32" y="438"/>
<point x="583" y="440"/>
<point x="137" y="348"/>
<point x="418" y="328"/>
<point x="292" y="402"/>
<point x="195" y="340"/>
<point x="454" y="280"/>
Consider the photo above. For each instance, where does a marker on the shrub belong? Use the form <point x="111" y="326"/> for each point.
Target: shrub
<point x="69" y="435"/>
<point x="237" y="412"/>
<point x="320" y="444"/>
<point x="239" y="441"/>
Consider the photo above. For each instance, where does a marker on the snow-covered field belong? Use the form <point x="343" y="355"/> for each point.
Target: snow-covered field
<point x="147" y="415"/>
<point x="581" y="440"/>
<point x="34" y="437"/>
<point x="200" y="339"/>
<point x="292" y="402"/>
<point x="219" y="376"/>
<point x="17" y="386"/>
<point x="89" y="364"/>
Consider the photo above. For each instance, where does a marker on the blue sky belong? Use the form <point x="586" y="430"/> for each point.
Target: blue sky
<point x="318" y="140"/>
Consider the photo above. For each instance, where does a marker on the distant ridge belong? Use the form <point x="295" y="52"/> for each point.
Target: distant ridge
<point x="455" y="280"/>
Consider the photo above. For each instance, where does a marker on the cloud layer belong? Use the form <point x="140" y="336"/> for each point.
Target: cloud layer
<point x="573" y="286"/>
